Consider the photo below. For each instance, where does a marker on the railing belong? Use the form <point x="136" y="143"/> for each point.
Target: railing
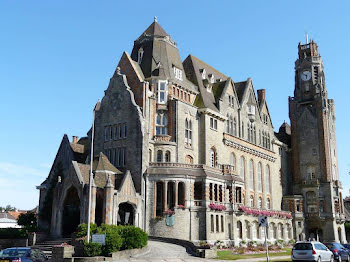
<point x="198" y="203"/>
<point x="311" y="182"/>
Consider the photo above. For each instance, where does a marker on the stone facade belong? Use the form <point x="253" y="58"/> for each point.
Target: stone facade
<point x="182" y="151"/>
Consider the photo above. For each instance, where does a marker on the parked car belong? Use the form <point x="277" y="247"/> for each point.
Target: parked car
<point x="311" y="251"/>
<point x="339" y="251"/>
<point x="347" y="246"/>
<point x="22" y="254"/>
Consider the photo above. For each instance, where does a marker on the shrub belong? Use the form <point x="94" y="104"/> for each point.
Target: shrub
<point x="92" y="249"/>
<point x="114" y="240"/>
<point x="13" y="233"/>
<point x="82" y="230"/>
<point x="133" y="237"/>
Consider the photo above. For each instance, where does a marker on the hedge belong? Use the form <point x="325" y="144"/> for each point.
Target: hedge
<point x="13" y="233"/>
<point x="117" y="238"/>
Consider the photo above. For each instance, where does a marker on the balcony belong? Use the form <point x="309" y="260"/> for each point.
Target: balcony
<point x="310" y="182"/>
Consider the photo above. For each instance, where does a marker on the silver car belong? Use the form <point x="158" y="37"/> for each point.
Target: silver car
<point x="311" y="251"/>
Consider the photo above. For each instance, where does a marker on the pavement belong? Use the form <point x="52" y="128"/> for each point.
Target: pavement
<point x="166" y="252"/>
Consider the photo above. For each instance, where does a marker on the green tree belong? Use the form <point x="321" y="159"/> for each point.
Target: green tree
<point x="28" y="221"/>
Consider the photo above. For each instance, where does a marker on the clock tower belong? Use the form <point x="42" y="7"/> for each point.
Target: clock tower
<point x="317" y="197"/>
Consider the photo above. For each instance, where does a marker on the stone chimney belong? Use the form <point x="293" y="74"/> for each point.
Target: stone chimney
<point x="75" y="140"/>
<point x="261" y="95"/>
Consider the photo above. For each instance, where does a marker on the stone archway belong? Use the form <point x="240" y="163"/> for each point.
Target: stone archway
<point x="71" y="211"/>
<point x="126" y="214"/>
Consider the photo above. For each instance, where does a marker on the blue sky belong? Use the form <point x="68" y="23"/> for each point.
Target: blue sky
<point x="56" y="59"/>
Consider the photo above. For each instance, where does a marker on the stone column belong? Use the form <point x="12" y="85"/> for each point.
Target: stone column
<point x="93" y="202"/>
<point x="165" y="194"/>
<point x="176" y="193"/>
<point x="109" y="192"/>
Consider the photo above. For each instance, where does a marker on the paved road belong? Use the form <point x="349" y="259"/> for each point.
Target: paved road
<point x="165" y="252"/>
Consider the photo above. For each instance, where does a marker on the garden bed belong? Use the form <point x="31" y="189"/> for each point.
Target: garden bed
<point x="252" y="252"/>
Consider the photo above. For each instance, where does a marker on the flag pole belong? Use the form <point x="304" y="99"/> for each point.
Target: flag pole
<point x="91" y="175"/>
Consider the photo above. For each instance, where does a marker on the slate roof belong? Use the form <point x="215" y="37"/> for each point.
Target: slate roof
<point x="240" y="88"/>
<point x="103" y="164"/>
<point x="154" y="30"/>
<point x="193" y="68"/>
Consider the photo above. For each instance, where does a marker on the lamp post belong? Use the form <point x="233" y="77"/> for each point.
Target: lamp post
<point x="91" y="174"/>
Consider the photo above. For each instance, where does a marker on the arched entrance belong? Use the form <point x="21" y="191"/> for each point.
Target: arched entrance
<point x="71" y="212"/>
<point x="126" y="214"/>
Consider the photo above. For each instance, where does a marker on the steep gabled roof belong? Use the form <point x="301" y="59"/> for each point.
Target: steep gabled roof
<point x="240" y="87"/>
<point x="103" y="164"/>
<point x="154" y="30"/>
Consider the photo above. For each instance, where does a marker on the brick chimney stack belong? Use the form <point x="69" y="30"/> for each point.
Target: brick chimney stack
<point x="75" y="139"/>
<point x="261" y="95"/>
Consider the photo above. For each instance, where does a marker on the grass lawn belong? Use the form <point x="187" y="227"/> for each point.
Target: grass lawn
<point x="227" y="254"/>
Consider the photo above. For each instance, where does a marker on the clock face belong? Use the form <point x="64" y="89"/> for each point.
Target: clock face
<point x="306" y="75"/>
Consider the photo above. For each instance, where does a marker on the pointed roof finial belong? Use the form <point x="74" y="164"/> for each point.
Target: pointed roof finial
<point x="155" y="19"/>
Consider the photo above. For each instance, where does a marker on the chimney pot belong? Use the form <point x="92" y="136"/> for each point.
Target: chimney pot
<point x="75" y="139"/>
<point x="261" y="94"/>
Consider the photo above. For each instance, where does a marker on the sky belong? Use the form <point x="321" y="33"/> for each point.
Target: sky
<point x="56" y="59"/>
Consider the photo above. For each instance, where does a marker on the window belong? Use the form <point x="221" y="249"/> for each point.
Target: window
<point x="260" y="202"/>
<point x="107" y="133"/>
<point x="242" y="167"/>
<point x="239" y="229"/>
<point x="188" y="159"/>
<point x="233" y="160"/>
<point x="217" y="223"/>
<point x="267" y="177"/>
<point x="162" y="92"/>
<point x="161" y="124"/>
<point x="311" y="172"/>
<point x="188" y="132"/>
<point x="228" y="124"/>
<point x="125" y="130"/>
<point x="159" y="156"/>
<point x="212" y="155"/>
<point x="222" y="224"/>
<point x="177" y="73"/>
<point x="251" y="201"/>
<point x="150" y="156"/>
<point x="251" y="175"/>
<point x="203" y="73"/>
<point x="212" y="223"/>
<point x="120" y="128"/>
<point x="234" y="127"/>
<point x="268" y="204"/>
<point x="140" y="55"/>
<point x="242" y="132"/>
<point x="230" y="101"/>
<point x="260" y="180"/>
<point x="167" y="156"/>
<point x="213" y="123"/>
<point x="211" y="78"/>
<point x="251" y="110"/>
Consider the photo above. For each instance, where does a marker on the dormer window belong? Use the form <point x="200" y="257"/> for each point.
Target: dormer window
<point x="177" y="73"/>
<point x="211" y="78"/>
<point x="140" y="56"/>
<point x="162" y="92"/>
<point x="203" y="72"/>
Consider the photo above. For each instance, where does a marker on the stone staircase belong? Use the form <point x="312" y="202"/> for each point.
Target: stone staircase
<point x="47" y="245"/>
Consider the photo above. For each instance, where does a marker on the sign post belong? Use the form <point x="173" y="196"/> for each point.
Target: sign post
<point x="263" y="223"/>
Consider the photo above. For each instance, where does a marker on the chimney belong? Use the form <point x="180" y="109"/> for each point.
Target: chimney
<point x="261" y="95"/>
<point x="75" y="139"/>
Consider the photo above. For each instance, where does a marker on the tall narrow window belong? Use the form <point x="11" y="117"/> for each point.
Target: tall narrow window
<point x="212" y="154"/>
<point x="188" y="132"/>
<point x="159" y="156"/>
<point x="242" y="167"/>
<point x="140" y="56"/>
<point x="242" y="131"/>
<point x="222" y="224"/>
<point x="231" y="125"/>
<point x="251" y="174"/>
<point x="260" y="181"/>
<point x="150" y="155"/>
<point x="167" y="156"/>
<point x="268" y="203"/>
<point x="228" y="124"/>
<point x="234" y="127"/>
<point x="260" y="203"/>
<point x="267" y="176"/>
<point x="251" y="201"/>
<point x="212" y="223"/>
<point x="233" y="161"/>
<point x="162" y="92"/>
<point x="161" y="124"/>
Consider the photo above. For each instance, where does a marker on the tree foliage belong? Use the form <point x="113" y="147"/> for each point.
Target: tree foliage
<point x="28" y="221"/>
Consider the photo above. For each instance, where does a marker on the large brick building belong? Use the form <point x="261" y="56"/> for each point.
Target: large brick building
<point x="183" y="151"/>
